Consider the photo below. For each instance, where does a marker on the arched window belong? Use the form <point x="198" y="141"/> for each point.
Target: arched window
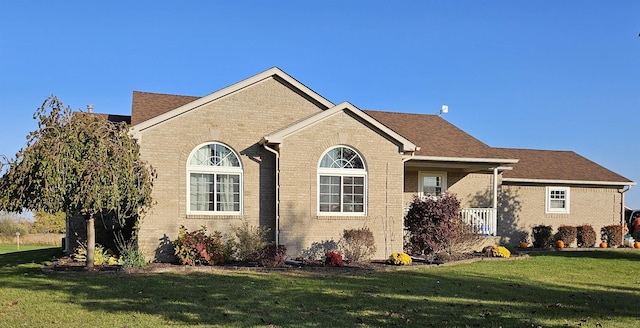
<point x="215" y="180"/>
<point x="342" y="182"/>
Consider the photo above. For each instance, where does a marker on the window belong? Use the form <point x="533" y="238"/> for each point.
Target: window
<point x="432" y="184"/>
<point x="342" y="182"/>
<point x="557" y="200"/>
<point x="214" y="180"/>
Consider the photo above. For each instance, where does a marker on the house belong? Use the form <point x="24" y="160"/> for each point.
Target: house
<point x="271" y="152"/>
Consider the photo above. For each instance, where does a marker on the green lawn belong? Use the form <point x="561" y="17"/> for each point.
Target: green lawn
<point x="551" y="289"/>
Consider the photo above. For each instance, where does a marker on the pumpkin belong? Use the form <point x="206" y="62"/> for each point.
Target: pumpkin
<point x="636" y="244"/>
<point x="559" y="244"/>
<point x="523" y="245"/>
<point x="603" y="245"/>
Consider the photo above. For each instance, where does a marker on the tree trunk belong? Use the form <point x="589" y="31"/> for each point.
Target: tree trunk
<point x="91" y="241"/>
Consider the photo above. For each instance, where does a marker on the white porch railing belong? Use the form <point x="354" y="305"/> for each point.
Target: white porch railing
<point x="484" y="221"/>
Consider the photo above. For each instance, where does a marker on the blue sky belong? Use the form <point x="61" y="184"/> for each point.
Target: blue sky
<point x="560" y="75"/>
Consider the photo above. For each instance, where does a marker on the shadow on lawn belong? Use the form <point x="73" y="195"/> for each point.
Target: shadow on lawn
<point x="607" y="254"/>
<point x="428" y="297"/>
<point x="31" y="256"/>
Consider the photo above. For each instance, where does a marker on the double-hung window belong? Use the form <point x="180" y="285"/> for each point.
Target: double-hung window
<point x="557" y="200"/>
<point x="342" y="182"/>
<point x="214" y="180"/>
<point x="432" y="184"/>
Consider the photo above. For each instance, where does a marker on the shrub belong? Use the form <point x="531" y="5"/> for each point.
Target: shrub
<point x="497" y="251"/>
<point x="333" y="259"/>
<point x="102" y="256"/>
<point x="129" y="252"/>
<point x="542" y="236"/>
<point x="318" y="249"/>
<point x="250" y="242"/>
<point x="586" y="236"/>
<point x="273" y="256"/>
<point x="399" y="258"/>
<point x="357" y="244"/>
<point x="612" y="235"/>
<point x="197" y="247"/>
<point x="432" y="224"/>
<point x="567" y="234"/>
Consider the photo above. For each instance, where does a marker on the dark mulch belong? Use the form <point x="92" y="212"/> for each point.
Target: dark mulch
<point x="69" y="265"/>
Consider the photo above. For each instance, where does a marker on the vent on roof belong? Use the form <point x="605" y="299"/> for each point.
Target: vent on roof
<point x="90" y="108"/>
<point x="443" y="110"/>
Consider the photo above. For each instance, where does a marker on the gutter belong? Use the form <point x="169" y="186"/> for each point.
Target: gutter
<point x="277" y="223"/>
<point x="622" y="223"/>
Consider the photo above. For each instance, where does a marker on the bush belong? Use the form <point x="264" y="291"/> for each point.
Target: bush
<point x="567" y="234"/>
<point x="250" y="242"/>
<point x="129" y="252"/>
<point x="273" y="256"/>
<point x="497" y="251"/>
<point x="357" y="244"/>
<point x="612" y="235"/>
<point x="542" y="236"/>
<point x="102" y="256"/>
<point x="333" y="259"/>
<point x="400" y="258"/>
<point x="197" y="247"/>
<point x="586" y="236"/>
<point x="318" y="249"/>
<point x="432" y="224"/>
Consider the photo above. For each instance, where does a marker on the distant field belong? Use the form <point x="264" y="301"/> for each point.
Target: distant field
<point x="50" y="239"/>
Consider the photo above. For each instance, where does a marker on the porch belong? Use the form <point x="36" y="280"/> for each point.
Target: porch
<point x="483" y="221"/>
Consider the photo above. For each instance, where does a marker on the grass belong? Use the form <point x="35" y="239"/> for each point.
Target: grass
<point x="550" y="289"/>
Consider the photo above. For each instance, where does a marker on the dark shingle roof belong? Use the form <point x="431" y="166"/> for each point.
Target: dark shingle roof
<point x="147" y="105"/>
<point x="556" y="165"/>
<point x="434" y="135"/>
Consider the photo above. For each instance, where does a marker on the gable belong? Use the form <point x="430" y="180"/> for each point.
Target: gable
<point x="155" y="109"/>
<point x="278" y="136"/>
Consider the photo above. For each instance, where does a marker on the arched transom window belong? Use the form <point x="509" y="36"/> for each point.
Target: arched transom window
<point x="215" y="180"/>
<point x="342" y="179"/>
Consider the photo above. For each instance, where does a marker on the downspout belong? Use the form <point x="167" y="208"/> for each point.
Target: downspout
<point x="622" y="211"/>
<point x="277" y="223"/>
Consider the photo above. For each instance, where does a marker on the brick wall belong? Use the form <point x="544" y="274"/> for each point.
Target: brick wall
<point x="238" y="120"/>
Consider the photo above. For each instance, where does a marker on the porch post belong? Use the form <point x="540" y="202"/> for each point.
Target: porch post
<point x="495" y="188"/>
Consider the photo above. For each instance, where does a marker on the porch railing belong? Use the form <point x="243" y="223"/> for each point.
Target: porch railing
<point x="483" y="221"/>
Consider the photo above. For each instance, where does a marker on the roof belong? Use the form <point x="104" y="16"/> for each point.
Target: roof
<point x="435" y="136"/>
<point x="557" y="166"/>
<point x="277" y="136"/>
<point x="116" y="118"/>
<point x="147" y="105"/>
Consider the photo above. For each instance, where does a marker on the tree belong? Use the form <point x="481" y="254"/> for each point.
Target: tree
<point x="432" y="224"/>
<point x="77" y="163"/>
<point x="49" y="222"/>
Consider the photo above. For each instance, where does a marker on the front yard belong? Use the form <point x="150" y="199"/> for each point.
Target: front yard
<point x="549" y="289"/>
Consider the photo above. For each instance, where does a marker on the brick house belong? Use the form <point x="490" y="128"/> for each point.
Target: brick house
<point x="271" y="152"/>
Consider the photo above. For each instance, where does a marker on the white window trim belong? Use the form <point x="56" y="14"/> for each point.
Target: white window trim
<point x="547" y="197"/>
<point x="342" y="173"/>
<point x="422" y="174"/>
<point x="214" y="170"/>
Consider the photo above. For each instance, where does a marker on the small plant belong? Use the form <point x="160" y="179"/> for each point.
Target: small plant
<point x="497" y="251"/>
<point x="612" y="235"/>
<point x="542" y="236"/>
<point x="333" y="259"/>
<point x="102" y="256"/>
<point x="273" y="256"/>
<point x="317" y="249"/>
<point x="357" y="244"/>
<point x="586" y="236"/>
<point x="250" y="242"/>
<point x="567" y="234"/>
<point x="197" y="247"/>
<point x="129" y="252"/>
<point x="400" y="258"/>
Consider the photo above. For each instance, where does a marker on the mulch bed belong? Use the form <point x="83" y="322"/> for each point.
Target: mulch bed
<point x="69" y="265"/>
